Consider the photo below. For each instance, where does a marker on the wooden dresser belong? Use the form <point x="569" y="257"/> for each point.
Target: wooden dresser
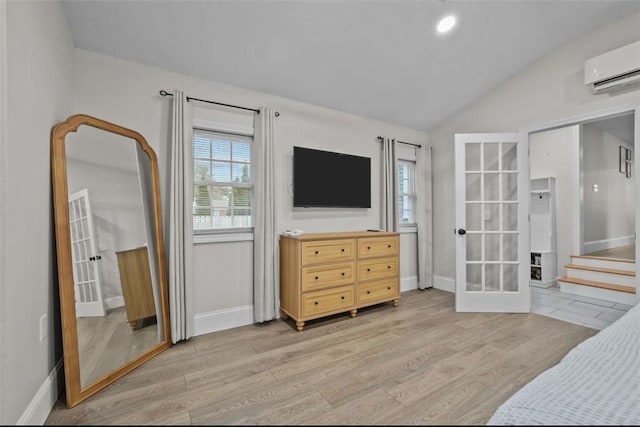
<point x="328" y="273"/>
<point x="135" y="278"/>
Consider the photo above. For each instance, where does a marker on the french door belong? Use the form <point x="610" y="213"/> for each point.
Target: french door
<point x="492" y="226"/>
<point x="86" y="280"/>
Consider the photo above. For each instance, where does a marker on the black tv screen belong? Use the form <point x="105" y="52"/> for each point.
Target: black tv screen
<point x="329" y="179"/>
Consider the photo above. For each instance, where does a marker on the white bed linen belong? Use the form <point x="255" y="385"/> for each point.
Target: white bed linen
<point x="596" y="383"/>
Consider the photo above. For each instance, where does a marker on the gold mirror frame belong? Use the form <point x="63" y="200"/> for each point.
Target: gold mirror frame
<point x="74" y="392"/>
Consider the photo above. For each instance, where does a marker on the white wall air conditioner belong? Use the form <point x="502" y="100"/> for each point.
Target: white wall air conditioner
<point x="615" y="70"/>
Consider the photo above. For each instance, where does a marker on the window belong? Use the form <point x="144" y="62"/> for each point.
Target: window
<point x="222" y="182"/>
<point x="406" y="193"/>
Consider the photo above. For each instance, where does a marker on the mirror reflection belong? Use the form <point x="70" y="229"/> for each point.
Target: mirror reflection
<point x="115" y="270"/>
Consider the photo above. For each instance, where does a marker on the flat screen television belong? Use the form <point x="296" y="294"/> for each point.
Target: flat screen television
<point x="330" y="179"/>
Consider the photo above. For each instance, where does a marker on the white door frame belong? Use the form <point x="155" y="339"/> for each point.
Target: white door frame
<point x="592" y="116"/>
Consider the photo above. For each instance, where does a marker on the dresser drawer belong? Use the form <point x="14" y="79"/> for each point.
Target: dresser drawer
<point x="377" y="291"/>
<point x="322" y="251"/>
<point x="328" y="300"/>
<point x="372" y="247"/>
<point x="377" y="268"/>
<point x="322" y="276"/>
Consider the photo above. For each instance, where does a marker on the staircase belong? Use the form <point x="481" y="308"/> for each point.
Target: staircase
<point x="609" y="279"/>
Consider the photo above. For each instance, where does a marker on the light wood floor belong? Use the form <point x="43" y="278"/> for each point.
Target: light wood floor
<point x="107" y="342"/>
<point x="419" y="363"/>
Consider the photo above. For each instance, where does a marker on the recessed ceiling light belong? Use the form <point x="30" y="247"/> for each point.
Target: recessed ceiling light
<point x="446" y="24"/>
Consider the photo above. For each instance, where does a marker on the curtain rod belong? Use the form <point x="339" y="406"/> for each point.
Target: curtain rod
<point x="165" y="93"/>
<point x="402" y="142"/>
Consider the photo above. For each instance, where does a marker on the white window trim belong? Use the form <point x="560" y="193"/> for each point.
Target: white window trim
<point x="221" y="237"/>
<point x="212" y="126"/>
<point x="408" y="229"/>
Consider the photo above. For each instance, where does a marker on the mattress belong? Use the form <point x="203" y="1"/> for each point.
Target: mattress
<point x="596" y="383"/>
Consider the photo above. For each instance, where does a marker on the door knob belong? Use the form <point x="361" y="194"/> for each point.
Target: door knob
<point x="462" y="231"/>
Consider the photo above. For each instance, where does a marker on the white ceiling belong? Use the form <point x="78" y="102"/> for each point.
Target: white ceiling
<point x="379" y="59"/>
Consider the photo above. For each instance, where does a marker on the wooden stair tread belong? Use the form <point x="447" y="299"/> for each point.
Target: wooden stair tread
<point x="604" y="258"/>
<point x="619" y="288"/>
<point x="602" y="270"/>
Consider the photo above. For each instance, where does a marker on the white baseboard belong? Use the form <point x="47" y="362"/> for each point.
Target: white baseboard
<point x="600" y="245"/>
<point x="40" y="406"/>
<point x="408" y="283"/>
<point x="444" y="283"/>
<point x="219" y="320"/>
<point x="114" y="302"/>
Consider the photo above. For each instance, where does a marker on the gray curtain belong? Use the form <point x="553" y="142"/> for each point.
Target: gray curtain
<point x="180" y="238"/>
<point x="389" y="203"/>
<point x="424" y="217"/>
<point x="266" y="296"/>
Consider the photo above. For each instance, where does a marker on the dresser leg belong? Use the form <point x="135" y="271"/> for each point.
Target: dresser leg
<point x="354" y="312"/>
<point x="396" y="302"/>
<point x="300" y="326"/>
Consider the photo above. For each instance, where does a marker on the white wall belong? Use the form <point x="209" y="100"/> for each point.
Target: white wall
<point x="126" y="93"/>
<point x="556" y="153"/>
<point x="548" y="90"/>
<point x="40" y="94"/>
<point x="609" y="213"/>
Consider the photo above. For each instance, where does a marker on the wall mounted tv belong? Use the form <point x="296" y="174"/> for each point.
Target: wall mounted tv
<point x="329" y="179"/>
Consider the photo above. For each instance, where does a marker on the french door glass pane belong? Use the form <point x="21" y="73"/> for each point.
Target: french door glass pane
<point x="510" y="277"/>
<point x="509" y="156"/>
<point x="510" y="247"/>
<point x="491" y="156"/>
<point x="491" y="186"/>
<point x="472" y="157"/>
<point x="474" y="247"/>
<point x="492" y="247"/>
<point x="492" y="277"/>
<point x="83" y="207"/>
<point x="510" y="186"/>
<point x="474" y="277"/>
<point x="492" y="216"/>
<point x="474" y="216"/>
<point x="509" y="216"/>
<point x="473" y="186"/>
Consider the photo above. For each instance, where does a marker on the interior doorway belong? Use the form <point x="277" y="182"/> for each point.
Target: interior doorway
<point x="591" y="239"/>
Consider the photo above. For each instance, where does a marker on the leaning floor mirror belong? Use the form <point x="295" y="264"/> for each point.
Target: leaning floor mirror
<point x="111" y="267"/>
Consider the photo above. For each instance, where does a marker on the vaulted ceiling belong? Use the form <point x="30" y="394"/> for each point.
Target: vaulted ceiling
<point x="379" y="59"/>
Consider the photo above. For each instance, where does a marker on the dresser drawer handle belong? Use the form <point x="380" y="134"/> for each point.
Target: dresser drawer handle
<point x="316" y="277"/>
<point x="316" y="252"/>
<point x="342" y="297"/>
<point x="388" y="266"/>
<point x="343" y="273"/>
<point x="316" y="303"/>
<point x="388" y="288"/>
<point x="368" y="247"/>
<point x="389" y="246"/>
<point x="368" y="292"/>
<point x="342" y="250"/>
<point x="368" y="269"/>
